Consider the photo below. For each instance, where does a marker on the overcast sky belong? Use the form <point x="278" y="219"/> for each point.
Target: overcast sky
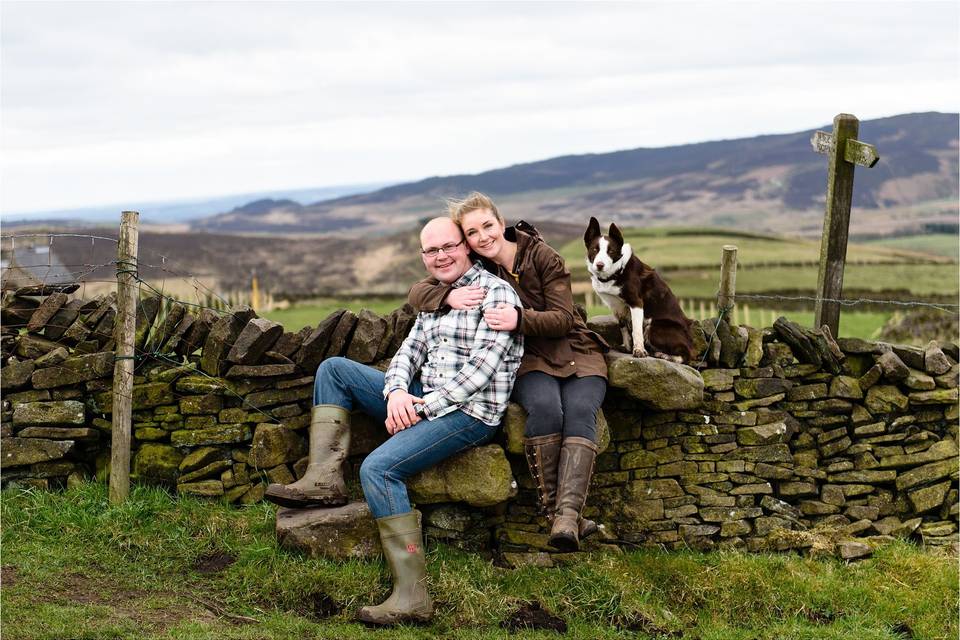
<point x="104" y="103"/>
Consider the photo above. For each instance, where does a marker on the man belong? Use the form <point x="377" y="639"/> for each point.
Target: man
<point x="466" y="372"/>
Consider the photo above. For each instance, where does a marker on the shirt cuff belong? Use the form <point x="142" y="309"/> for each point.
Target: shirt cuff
<point x="435" y="405"/>
<point x="391" y="387"/>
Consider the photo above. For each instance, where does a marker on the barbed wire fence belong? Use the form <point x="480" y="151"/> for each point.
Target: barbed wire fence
<point x="52" y="271"/>
<point x="23" y="277"/>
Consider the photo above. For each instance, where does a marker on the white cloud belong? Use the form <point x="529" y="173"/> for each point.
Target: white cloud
<point x="103" y="102"/>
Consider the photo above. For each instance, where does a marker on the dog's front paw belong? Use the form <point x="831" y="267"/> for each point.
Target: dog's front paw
<point x="639" y="352"/>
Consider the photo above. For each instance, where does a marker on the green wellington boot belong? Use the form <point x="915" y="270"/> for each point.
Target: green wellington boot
<point x="402" y="543"/>
<point x="322" y="484"/>
<point x="543" y="459"/>
<point x="577" y="456"/>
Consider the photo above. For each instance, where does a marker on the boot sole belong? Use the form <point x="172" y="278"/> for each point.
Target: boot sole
<point x="564" y="543"/>
<point x="415" y="619"/>
<point x="303" y="503"/>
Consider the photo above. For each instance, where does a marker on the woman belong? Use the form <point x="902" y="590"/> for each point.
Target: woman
<point x="562" y="378"/>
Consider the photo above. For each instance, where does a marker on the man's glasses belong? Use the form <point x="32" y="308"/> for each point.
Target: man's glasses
<point x="447" y="249"/>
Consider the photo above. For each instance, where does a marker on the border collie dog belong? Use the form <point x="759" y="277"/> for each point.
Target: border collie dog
<point x="637" y="296"/>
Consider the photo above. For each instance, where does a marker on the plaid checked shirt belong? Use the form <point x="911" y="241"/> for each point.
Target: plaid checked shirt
<point x="463" y="363"/>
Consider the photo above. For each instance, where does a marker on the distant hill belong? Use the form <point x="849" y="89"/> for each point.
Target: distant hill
<point x="174" y="211"/>
<point x="766" y="183"/>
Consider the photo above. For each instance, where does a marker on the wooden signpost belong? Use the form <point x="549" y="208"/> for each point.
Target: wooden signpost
<point x="845" y="152"/>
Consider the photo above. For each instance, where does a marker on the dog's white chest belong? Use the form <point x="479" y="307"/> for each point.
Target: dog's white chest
<point x="608" y="288"/>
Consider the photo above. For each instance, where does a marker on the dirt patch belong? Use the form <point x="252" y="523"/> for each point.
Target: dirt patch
<point x="8" y="575"/>
<point x="820" y="616"/>
<point x="903" y="630"/>
<point x="124" y="602"/>
<point x="319" y="606"/>
<point x="214" y="562"/>
<point x="532" y="615"/>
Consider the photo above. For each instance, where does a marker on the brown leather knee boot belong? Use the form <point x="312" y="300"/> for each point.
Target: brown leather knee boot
<point x="577" y="456"/>
<point x="543" y="459"/>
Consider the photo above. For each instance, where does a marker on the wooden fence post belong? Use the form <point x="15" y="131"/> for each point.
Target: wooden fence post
<point x="123" y="335"/>
<point x="728" y="278"/>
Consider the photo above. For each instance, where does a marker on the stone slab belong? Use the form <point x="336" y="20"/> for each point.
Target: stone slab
<point x="339" y="533"/>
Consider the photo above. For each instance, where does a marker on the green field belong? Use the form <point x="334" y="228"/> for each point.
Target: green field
<point x="178" y="568"/>
<point x="916" y="281"/>
<point x="692" y="247"/>
<point x="852" y="324"/>
<point x="689" y="260"/>
<point x="310" y="313"/>
<point x="919" y="268"/>
<point x="941" y="244"/>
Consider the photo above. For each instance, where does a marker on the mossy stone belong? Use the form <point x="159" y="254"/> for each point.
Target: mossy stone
<point x="480" y="477"/>
<point x="273" y="445"/>
<point x="214" y="468"/>
<point x="201" y="405"/>
<point x="223" y="434"/>
<point x="67" y="412"/>
<point x="718" y="379"/>
<point x="145" y="396"/>
<point x="772" y="433"/>
<point x="201" y="457"/>
<point x="154" y="462"/>
<point x="74" y="370"/>
<point x="937" y="396"/>
<point x="205" y="488"/>
<point x="337" y="534"/>
<point x="760" y="387"/>
<point x="846" y="387"/>
<point x="885" y="398"/>
<point x="202" y="384"/>
<point x="150" y="434"/>
<point x="23" y="451"/>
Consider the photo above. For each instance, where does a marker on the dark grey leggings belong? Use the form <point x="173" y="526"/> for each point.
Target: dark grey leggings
<point x="560" y="405"/>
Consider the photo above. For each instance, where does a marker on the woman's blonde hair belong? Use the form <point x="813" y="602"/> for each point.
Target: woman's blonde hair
<point x="473" y="202"/>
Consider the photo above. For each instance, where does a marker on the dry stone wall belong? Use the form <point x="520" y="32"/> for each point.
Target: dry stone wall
<point x="786" y="439"/>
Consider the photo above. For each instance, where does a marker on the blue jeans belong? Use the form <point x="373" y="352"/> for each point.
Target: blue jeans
<point x="386" y="469"/>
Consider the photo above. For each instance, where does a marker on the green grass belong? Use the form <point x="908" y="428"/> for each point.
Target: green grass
<point x="75" y="566"/>
<point x="864" y="325"/>
<point x="310" y="313"/>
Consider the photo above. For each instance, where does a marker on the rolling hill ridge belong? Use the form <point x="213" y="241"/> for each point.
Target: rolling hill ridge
<point x="765" y="183"/>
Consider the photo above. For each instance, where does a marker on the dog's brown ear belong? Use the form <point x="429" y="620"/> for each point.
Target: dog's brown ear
<point x="615" y="234"/>
<point x="592" y="232"/>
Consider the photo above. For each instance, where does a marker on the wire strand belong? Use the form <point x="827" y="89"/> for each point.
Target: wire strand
<point x="945" y="307"/>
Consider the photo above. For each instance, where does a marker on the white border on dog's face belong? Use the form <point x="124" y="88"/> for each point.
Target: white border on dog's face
<point x="605" y="265"/>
